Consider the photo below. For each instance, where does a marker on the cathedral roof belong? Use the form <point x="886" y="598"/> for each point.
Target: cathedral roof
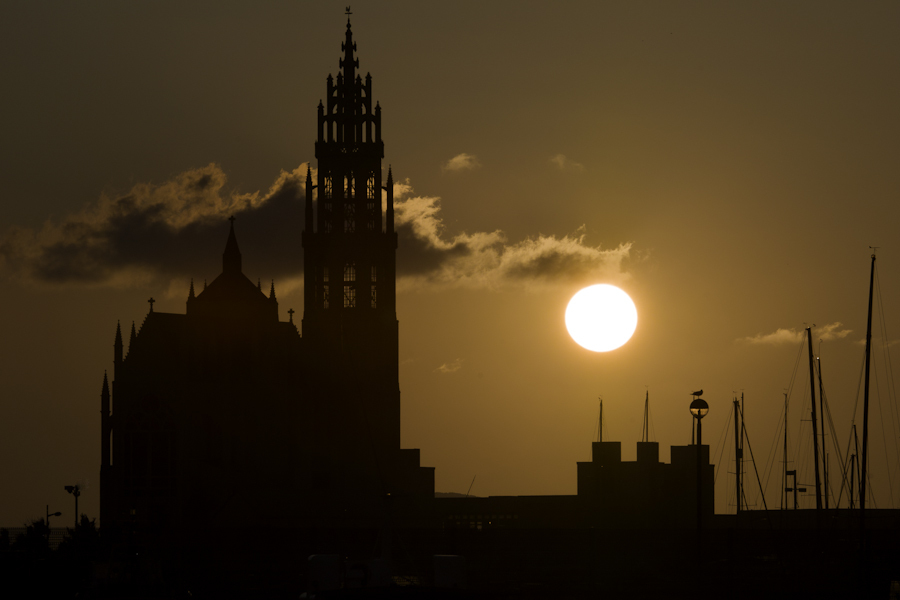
<point x="232" y="294"/>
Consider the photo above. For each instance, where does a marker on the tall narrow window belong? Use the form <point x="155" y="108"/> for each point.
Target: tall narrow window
<point x="349" y="296"/>
<point x="374" y="273"/>
<point x="371" y="215"/>
<point x="374" y="296"/>
<point x="326" y="203"/>
<point x="350" y="285"/>
<point x="325" y="296"/>
<point x="349" y="217"/>
<point x="348" y="186"/>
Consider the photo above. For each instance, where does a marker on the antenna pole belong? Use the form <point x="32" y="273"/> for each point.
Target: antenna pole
<point x="812" y="391"/>
<point x="647" y="417"/>
<point x="600" y="423"/>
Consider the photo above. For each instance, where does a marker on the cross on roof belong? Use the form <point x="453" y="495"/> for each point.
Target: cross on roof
<point x="231" y="218"/>
<point x="291" y="313"/>
<point x="348" y="13"/>
<point x="151" y="301"/>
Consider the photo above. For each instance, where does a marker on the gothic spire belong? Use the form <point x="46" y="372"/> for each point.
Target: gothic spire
<point x="191" y="293"/>
<point x="133" y="335"/>
<point x="308" y="215"/>
<point x="104" y="393"/>
<point x="117" y="345"/>
<point x="231" y="258"/>
<point x="348" y="63"/>
<point x="272" y="291"/>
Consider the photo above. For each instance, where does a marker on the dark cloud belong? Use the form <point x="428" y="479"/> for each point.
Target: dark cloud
<point x="177" y="230"/>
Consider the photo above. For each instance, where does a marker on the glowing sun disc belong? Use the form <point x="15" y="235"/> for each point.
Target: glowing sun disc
<point x="601" y="318"/>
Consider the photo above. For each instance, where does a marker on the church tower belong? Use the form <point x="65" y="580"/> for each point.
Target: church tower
<point x="350" y="314"/>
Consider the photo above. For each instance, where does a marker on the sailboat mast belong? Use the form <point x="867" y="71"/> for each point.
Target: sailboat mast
<point x="737" y="458"/>
<point x="784" y="458"/>
<point x="862" y="473"/>
<point x="822" y="412"/>
<point x="812" y="391"/>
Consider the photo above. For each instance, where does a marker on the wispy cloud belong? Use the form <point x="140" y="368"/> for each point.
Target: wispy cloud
<point x="877" y="341"/>
<point x="489" y="259"/>
<point x="826" y="333"/>
<point x="831" y="332"/>
<point x="450" y="367"/>
<point x="566" y="164"/>
<point x="461" y="162"/>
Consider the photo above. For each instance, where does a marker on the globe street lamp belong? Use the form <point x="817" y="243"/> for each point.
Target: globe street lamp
<point x="699" y="408"/>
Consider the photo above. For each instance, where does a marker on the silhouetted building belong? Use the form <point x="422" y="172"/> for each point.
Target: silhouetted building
<point x="612" y="494"/>
<point x="227" y="416"/>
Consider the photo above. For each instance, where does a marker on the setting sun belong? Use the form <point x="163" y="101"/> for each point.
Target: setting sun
<point x="601" y="318"/>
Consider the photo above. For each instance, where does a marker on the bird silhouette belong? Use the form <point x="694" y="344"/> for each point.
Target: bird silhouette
<point x="700" y="393"/>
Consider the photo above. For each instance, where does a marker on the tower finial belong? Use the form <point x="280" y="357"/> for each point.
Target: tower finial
<point x="191" y="293"/>
<point x="272" y="291"/>
<point x="231" y="258"/>
<point x="348" y="63"/>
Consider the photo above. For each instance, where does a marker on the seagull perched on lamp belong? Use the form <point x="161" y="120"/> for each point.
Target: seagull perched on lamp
<point x="698" y="394"/>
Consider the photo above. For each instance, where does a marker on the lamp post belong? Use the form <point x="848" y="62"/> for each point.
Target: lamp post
<point x="699" y="408"/>
<point x="75" y="490"/>
<point x="50" y="514"/>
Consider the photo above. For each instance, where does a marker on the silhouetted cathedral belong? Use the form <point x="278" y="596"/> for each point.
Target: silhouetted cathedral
<point x="226" y="416"/>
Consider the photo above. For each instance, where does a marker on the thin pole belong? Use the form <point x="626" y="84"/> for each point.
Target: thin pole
<point x="647" y="417"/>
<point x="600" y="423"/>
<point x="784" y="455"/>
<point x="822" y="412"/>
<point x="856" y="445"/>
<point x="737" y="457"/>
<point x="865" y="448"/>
<point x="812" y="391"/>
<point x="699" y="447"/>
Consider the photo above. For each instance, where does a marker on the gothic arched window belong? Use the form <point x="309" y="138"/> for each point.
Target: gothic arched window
<point x="350" y="285"/>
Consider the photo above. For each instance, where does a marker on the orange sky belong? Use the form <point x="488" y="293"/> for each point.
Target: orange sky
<point x="728" y="166"/>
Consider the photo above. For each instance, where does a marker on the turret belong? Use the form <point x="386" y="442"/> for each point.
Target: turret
<point x="191" y="295"/>
<point x="309" y="197"/>
<point x="118" y="347"/>
<point x="104" y="423"/>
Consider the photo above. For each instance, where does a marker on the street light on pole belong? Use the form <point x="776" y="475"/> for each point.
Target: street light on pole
<point x="75" y="490"/>
<point x="699" y="408"/>
<point x="50" y="514"/>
